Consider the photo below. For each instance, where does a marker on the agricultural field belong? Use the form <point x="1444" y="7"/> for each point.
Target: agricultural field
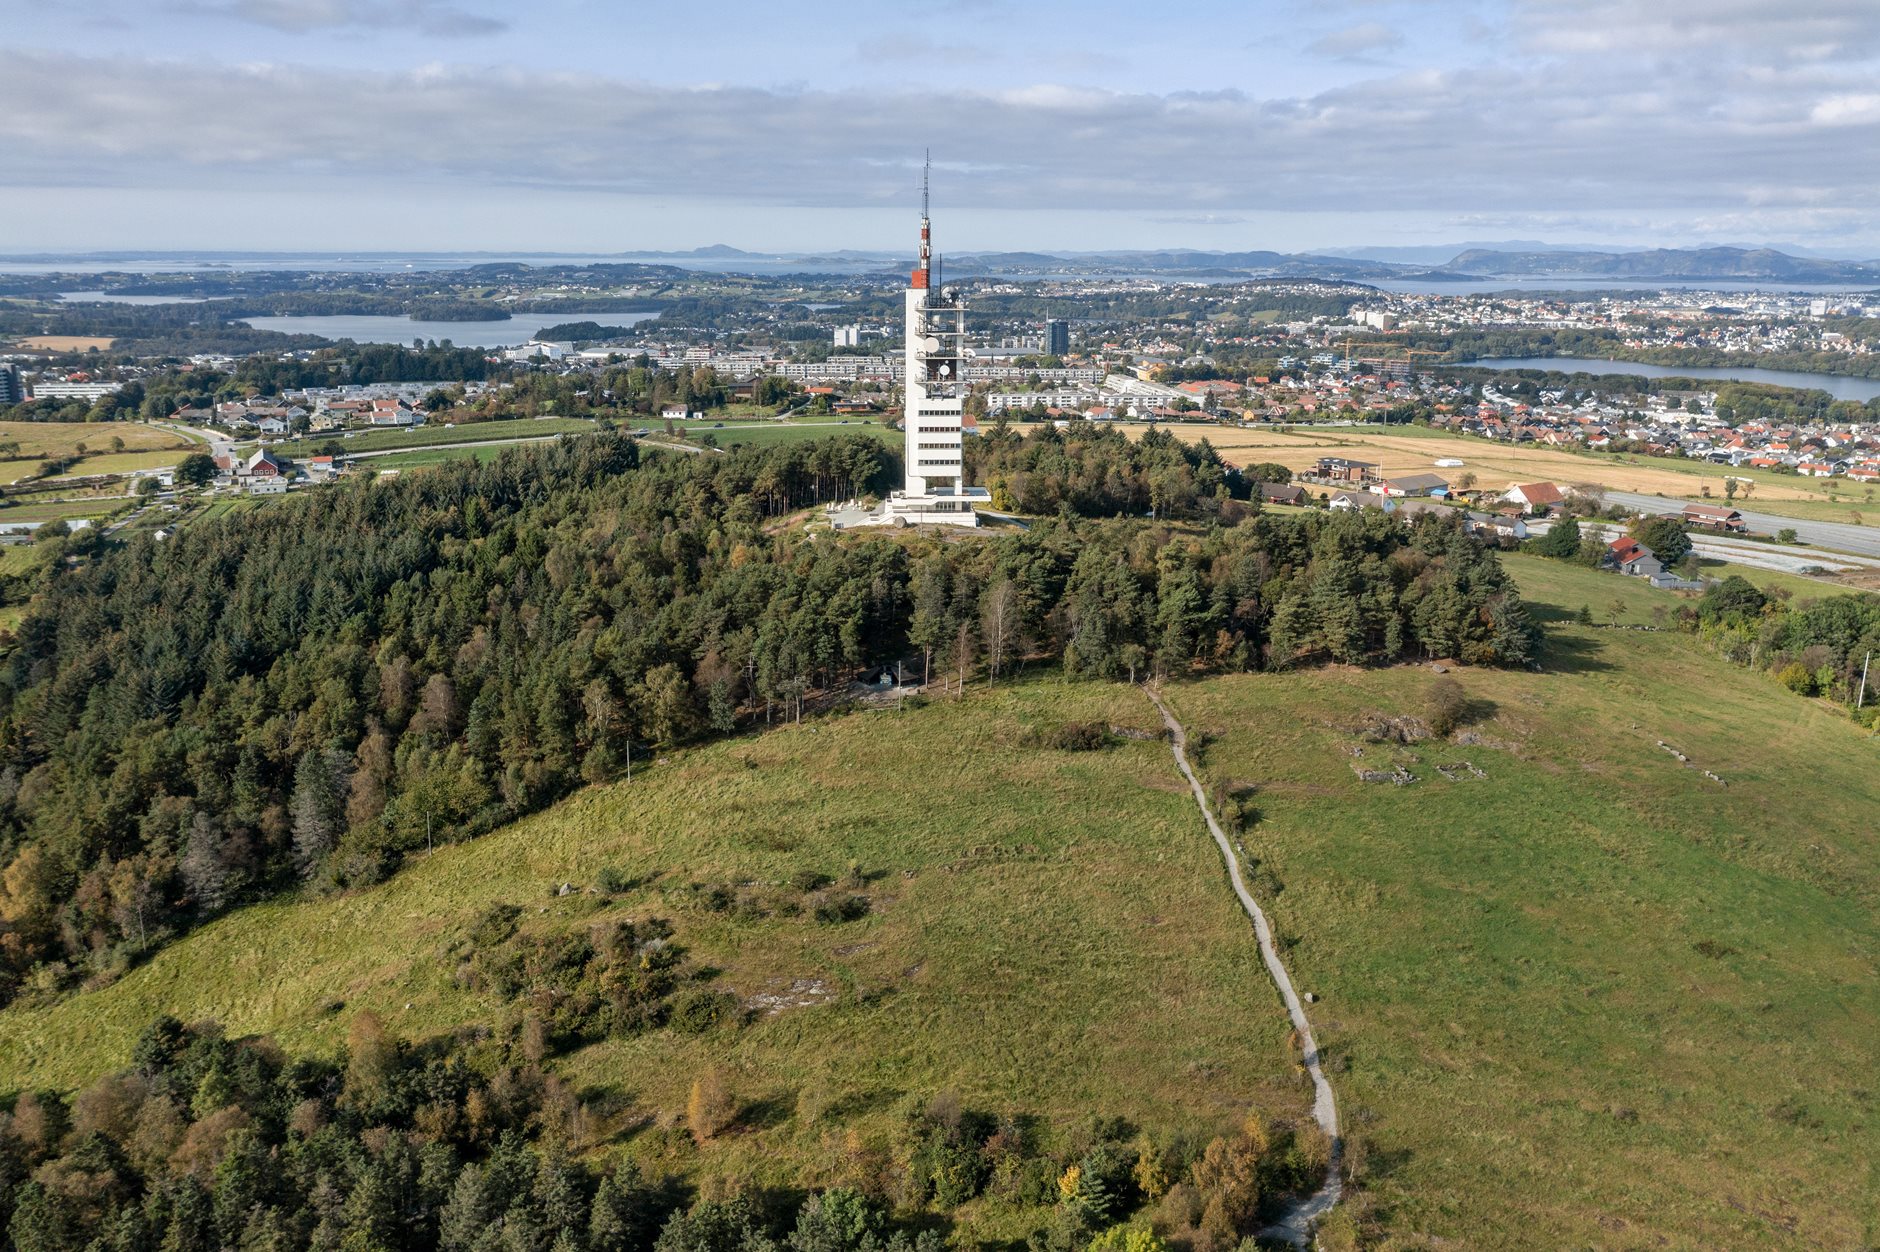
<point x="1408" y="449"/>
<point x="64" y="343"/>
<point x="57" y="510"/>
<point x="429" y="436"/>
<point x="124" y="462"/>
<point x="432" y="456"/>
<point x="46" y="439"/>
<point x="769" y="434"/>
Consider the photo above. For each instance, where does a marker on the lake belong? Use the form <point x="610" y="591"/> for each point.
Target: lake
<point x="1840" y="386"/>
<point x="365" y="328"/>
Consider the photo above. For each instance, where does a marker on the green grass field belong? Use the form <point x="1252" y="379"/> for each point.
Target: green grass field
<point x="125" y="462"/>
<point x="433" y="456"/>
<point x="1593" y="999"/>
<point x="426" y="436"/>
<point x="52" y="510"/>
<point x="769" y="434"/>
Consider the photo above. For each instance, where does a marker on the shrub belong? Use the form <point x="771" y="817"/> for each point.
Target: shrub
<point x="613" y="880"/>
<point x="1447" y="705"/>
<point x="497" y="923"/>
<point x="842" y="909"/>
<point x="1797" y="678"/>
<point x="709" y="1109"/>
<point x="1073" y="737"/>
<point x="696" y="1011"/>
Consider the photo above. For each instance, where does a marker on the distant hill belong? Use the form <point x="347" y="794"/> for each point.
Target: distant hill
<point x="1725" y="263"/>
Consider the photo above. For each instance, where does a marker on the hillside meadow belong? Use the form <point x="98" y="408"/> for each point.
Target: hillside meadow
<point x="1048" y="934"/>
<point x="1587" y="997"/>
<point x="1594" y="998"/>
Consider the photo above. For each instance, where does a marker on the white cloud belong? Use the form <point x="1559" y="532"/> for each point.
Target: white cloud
<point x="1354" y="42"/>
<point x="430" y="17"/>
<point x="1563" y="138"/>
<point x="1852" y="109"/>
<point x="1756" y="30"/>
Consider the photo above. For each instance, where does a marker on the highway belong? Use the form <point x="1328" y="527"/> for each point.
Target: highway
<point x="1840" y="536"/>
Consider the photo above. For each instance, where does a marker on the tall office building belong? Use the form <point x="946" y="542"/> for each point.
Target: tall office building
<point x="1057" y="337"/>
<point x="12" y="390"/>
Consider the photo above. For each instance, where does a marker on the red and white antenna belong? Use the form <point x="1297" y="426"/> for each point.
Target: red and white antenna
<point x="921" y="273"/>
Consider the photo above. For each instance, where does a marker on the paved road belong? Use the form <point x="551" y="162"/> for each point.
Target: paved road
<point x="1843" y="536"/>
<point x="1739" y="551"/>
<point x="1296" y="1226"/>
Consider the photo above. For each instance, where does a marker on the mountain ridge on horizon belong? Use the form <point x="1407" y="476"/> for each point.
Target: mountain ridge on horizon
<point x="1511" y="259"/>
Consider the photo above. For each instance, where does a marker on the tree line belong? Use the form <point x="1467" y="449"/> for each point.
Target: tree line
<point x="468" y="1143"/>
<point x="303" y="693"/>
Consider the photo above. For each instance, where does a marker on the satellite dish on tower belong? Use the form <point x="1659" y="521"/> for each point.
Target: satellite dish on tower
<point x="930" y="344"/>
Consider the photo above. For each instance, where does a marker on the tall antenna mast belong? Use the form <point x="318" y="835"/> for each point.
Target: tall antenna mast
<point x="925" y="169"/>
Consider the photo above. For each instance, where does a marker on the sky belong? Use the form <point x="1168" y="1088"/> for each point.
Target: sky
<point x="617" y="125"/>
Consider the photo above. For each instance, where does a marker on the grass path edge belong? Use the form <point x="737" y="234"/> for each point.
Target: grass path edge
<point x="1296" y="1225"/>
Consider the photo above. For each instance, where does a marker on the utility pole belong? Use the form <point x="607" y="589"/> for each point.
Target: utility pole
<point x="629" y="759"/>
<point x="1862" y="697"/>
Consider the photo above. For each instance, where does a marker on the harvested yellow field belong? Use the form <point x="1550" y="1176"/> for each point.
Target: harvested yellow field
<point x="44" y="439"/>
<point x="1493" y="464"/>
<point x="66" y="343"/>
<point x="120" y="463"/>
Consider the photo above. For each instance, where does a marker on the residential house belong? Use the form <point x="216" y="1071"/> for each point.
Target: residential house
<point x="1714" y="517"/>
<point x="394" y="413"/>
<point x="1629" y="556"/>
<point x="1284" y="493"/>
<point x="263" y="464"/>
<point x="1416" y="485"/>
<point x="1338" y="469"/>
<point x="1534" y="497"/>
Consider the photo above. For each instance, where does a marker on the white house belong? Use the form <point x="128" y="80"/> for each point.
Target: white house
<point x="1534" y="496"/>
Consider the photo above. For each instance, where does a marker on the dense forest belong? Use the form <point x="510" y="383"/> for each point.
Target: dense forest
<point x="307" y="691"/>
<point x="469" y="1143"/>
